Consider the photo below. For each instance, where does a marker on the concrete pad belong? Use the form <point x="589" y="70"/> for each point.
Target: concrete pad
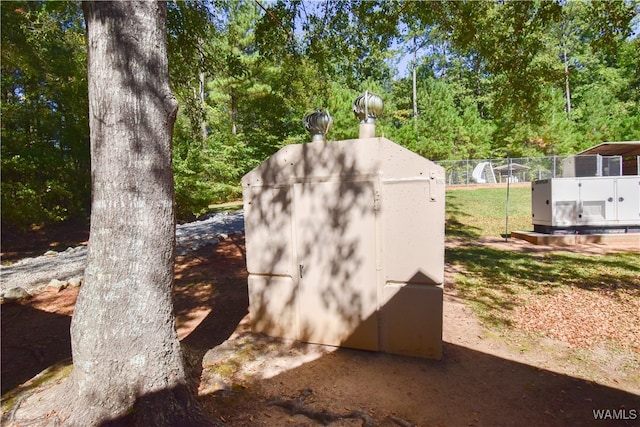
<point x="576" y="239"/>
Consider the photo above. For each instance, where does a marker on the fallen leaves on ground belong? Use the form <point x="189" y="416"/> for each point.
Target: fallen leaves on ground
<point x="584" y="317"/>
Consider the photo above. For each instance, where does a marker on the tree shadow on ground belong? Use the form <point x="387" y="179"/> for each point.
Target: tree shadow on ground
<point x="456" y="220"/>
<point x="212" y="279"/>
<point x="558" y="268"/>
<point x="210" y="299"/>
<point x="32" y="340"/>
<point x="18" y="244"/>
<point x="466" y="387"/>
<point x="494" y="278"/>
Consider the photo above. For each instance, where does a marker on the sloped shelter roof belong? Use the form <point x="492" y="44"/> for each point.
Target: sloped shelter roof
<point x="340" y="158"/>
<point x="623" y="148"/>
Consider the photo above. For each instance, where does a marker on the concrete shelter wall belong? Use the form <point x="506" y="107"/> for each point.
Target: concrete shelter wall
<point x="345" y="246"/>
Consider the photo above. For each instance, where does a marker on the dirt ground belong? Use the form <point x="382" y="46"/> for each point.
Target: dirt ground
<point x="246" y="379"/>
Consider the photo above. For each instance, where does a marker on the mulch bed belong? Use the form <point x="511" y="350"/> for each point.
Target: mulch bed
<point x="583" y="317"/>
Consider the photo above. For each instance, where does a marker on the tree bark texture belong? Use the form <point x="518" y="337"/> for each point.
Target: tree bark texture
<point x="128" y="366"/>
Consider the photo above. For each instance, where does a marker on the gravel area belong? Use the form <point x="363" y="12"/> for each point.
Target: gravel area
<point x="32" y="274"/>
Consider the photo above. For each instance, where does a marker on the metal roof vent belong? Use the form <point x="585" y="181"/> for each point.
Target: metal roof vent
<point x="318" y="124"/>
<point x="367" y="107"/>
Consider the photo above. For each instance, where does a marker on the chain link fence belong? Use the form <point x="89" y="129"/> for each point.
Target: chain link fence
<point x="492" y="171"/>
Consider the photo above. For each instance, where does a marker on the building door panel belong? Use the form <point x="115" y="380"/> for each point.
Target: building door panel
<point x="335" y="245"/>
<point x="628" y="200"/>
<point x="596" y="201"/>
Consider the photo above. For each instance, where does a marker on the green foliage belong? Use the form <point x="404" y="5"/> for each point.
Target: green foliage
<point x="188" y="25"/>
<point x="491" y="82"/>
<point x="599" y="108"/>
<point x="193" y="192"/>
<point x="45" y="135"/>
<point x="339" y="105"/>
<point x="448" y="124"/>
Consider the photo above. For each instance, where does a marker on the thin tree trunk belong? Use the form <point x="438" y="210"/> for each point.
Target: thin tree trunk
<point x="566" y="81"/>
<point x="201" y="94"/>
<point x="415" y="83"/>
<point x="234" y="112"/>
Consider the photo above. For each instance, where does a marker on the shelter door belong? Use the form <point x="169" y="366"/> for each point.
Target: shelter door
<point x="335" y="242"/>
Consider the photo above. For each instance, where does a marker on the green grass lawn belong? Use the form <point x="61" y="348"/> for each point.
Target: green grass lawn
<point x="496" y="282"/>
<point x="482" y="212"/>
<point x="216" y="208"/>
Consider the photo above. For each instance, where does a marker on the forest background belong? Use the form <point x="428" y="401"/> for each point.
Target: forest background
<point x="459" y="80"/>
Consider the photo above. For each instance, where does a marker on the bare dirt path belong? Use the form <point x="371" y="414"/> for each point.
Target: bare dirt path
<point x="247" y="380"/>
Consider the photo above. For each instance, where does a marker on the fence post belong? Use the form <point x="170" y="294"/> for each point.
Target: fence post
<point x="506" y="223"/>
<point x="467" y="175"/>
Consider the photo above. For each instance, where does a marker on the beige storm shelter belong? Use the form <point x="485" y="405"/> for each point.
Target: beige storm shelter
<point x="345" y="246"/>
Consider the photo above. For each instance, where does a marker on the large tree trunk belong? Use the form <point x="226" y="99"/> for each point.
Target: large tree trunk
<point x="127" y="361"/>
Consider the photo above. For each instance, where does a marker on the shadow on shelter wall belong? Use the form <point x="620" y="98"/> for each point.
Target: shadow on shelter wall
<point x="288" y="248"/>
<point x="337" y="237"/>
